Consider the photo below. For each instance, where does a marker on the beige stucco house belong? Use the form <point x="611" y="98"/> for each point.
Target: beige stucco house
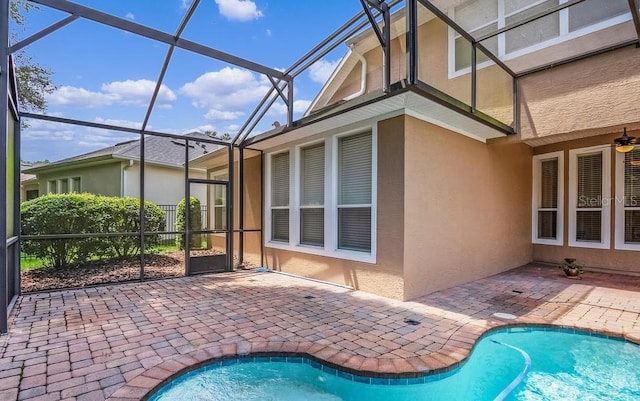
<point x="401" y="195"/>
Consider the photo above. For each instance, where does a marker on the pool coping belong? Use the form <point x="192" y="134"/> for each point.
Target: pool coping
<point x="144" y="386"/>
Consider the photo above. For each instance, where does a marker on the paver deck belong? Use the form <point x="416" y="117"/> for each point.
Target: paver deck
<point x="118" y="342"/>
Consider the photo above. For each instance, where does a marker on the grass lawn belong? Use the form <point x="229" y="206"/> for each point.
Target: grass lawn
<point x="28" y="262"/>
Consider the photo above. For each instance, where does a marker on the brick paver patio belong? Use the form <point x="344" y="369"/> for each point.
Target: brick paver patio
<point x="119" y="342"/>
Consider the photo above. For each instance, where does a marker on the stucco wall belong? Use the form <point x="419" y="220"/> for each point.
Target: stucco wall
<point x="596" y="93"/>
<point x="612" y="259"/>
<point x="103" y="179"/>
<point x="162" y="185"/>
<point x="385" y="276"/>
<point x="467" y="208"/>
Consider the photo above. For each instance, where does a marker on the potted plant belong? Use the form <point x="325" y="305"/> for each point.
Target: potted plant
<point x="571" y="269"/>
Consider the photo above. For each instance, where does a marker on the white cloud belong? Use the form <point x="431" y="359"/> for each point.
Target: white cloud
<point x="184" y="4"/>
<point x="127" y="92"/>
<point x="229" y="89"/>
<point x="269" y="32"/>
<point x="280" y="109"/>
<point x="239" y="10"/>
<point x="130" y="16"/>
<point x="322" y="69"/>
<point x="74" y="96"/>
<point x="138" y="92"/>
<point x="220" y="115"/>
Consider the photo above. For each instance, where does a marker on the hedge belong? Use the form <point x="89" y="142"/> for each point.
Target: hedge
<point x="83" y="214"/>
<point x="195" y="222"/>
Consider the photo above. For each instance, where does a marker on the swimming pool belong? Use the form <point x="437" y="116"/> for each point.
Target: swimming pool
<point x="514" y="364"/>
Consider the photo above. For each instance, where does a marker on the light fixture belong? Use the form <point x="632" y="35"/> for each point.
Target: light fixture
<point x="625" y="143"/>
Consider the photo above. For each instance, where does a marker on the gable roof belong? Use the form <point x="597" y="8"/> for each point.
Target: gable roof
<point x="157" y="149"/>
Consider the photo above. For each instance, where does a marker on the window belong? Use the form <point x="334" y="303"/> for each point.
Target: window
<point x="485" y="16"/>
<point x="75" y="185"/>
<point x="280" y="197"/>
<point x="628" y="200"/>
<point x="52" y="187"/>
<point x="220" y="203"/>
<point x="354" y="192"/>
<point x="64" y="186"/>
<point x="548" y="199"/>
<point x="330" y="210"/>
<point x="312" y="195"/>
<point x="590" y="197"/>
<point x="32" y="194"/>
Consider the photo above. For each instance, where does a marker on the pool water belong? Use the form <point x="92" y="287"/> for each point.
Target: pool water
<point x="564" y="366"/>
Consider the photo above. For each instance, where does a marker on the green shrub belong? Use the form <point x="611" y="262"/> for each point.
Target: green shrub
<point x="195" y="222"/>
<point x="60" y="214"/>
<point x="84" y="214"/>
<point x="126" y="218"/>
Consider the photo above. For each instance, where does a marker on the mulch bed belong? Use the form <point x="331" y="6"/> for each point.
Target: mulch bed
<point x="156" y="266"/>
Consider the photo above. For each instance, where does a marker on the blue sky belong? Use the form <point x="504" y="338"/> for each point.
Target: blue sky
<point x="106" y="75"/>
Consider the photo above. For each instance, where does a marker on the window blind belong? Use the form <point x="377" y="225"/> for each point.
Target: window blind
<point x="280" y="225"/>
<point x="354" y="197"/>
<point x="590" y="181"/>
<point x="354" y="166"/>
<point x="354" y="228"/>
<point x="312" y="175"/>
<point x="312" y="226"/>
<point x="589" y="222"/>
<point x="588" y="226"/>
<point x="312" y="195"/>
<point x="549" y="184"/>
<point x="280" y="180"/>
<point x="632" y="197"/>
<point x="547" y="224"/>
<point x="280" y="197"/>
<point x="548" y="219"/>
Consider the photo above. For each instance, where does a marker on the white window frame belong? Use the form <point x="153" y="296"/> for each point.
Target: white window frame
<point x="620" y="208"/>
<point x="537" y="175"/>
<point x="605" y="233"/>
<point x="330" y="248"/>
<point x="564" y="36"/>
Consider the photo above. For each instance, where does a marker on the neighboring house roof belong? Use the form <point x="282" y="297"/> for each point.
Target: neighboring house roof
<point x="24" y="178"/>
<point x="158" y="150"/>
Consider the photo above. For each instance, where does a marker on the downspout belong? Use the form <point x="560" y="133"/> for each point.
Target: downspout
<point x="123" y="181"/>
<point x="363" y="78"/>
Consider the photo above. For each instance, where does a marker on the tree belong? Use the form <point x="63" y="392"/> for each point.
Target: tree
<point x="214" y="134"/>
<point x="34" y="81"/>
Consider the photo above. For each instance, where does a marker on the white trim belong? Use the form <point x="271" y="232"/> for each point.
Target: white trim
<point x="605" y="228"/>
<point x="564" y="36"/>
<point x="330" y="249"/>
<point x="620" y="208"/>
<point x="535" y="199"/>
